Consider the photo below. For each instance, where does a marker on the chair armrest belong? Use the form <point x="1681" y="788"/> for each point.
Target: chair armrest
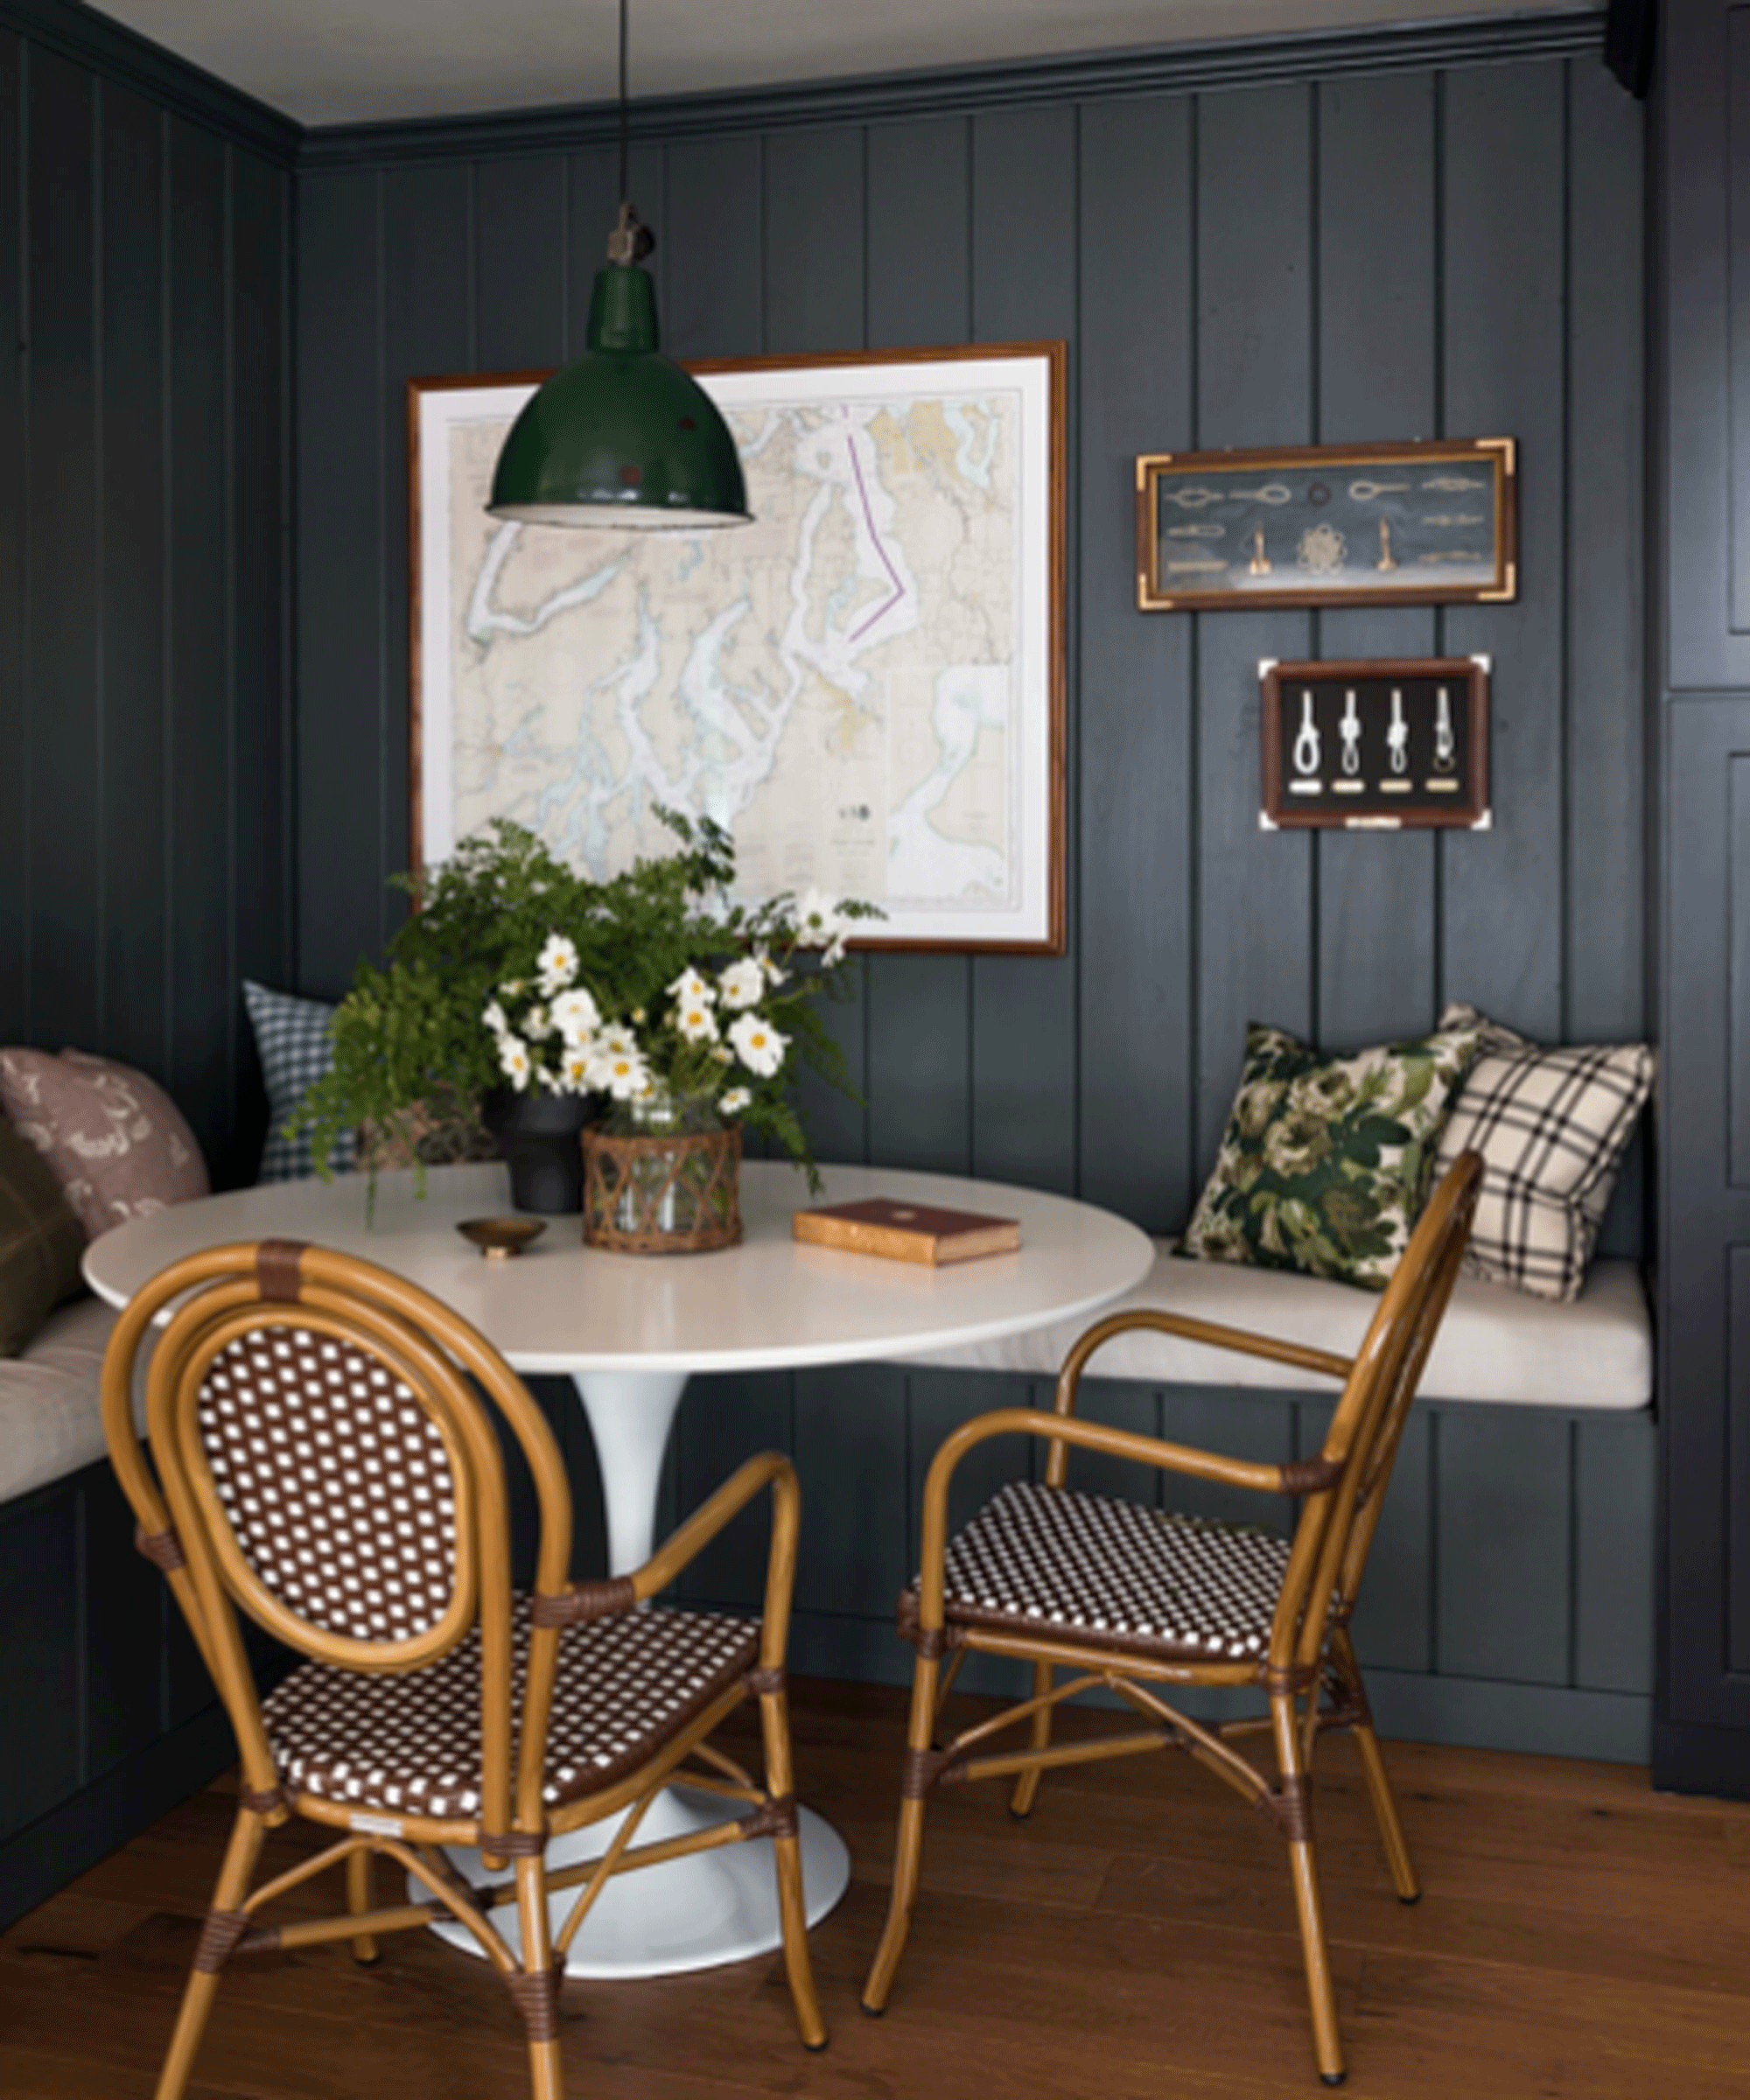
<point x="581" y="1601"/>
<point x="1241" y="1341"/>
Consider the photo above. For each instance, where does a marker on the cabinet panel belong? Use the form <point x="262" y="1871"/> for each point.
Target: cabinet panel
<point x="1704" y="1239"/>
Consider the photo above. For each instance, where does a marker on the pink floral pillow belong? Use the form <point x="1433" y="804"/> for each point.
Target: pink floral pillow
<point x="114" y="1140"/>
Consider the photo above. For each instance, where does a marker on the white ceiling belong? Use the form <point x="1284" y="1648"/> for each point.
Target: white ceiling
<point x="352" y="61"/>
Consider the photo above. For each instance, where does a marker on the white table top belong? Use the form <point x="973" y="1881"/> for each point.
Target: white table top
<point x="770" y="1302"/>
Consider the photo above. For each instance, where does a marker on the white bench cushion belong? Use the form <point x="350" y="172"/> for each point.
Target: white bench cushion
<point x="1496" y="1344"/>
<point x="51" y="1423"/>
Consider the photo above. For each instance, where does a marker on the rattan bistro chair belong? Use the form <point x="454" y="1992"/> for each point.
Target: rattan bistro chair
<point x="320" y="1462"/>
<point x="1131" y="1601"/>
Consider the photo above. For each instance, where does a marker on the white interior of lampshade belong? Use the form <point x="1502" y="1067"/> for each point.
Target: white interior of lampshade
<point x="625" y="517"/>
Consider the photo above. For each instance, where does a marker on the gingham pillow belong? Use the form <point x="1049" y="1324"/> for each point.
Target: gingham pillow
<point x="291" y="1039"/>
<point x="1552" y="1126"/>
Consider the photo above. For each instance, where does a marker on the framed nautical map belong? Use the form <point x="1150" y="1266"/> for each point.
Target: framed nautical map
<point x="1429" y="523"/>
<point x="865" y="685"/>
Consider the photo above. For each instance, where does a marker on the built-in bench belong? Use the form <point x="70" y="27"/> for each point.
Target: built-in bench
<point x="1496" y="1345"/>
<point x="111" y="1717"/>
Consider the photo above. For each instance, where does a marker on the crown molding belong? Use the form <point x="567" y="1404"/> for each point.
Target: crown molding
<point x="960" y="91"/>
<point x="122" y="57"/>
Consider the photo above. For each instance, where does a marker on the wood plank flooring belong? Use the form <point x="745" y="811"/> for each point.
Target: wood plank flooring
<point x="1580" y="1938"/>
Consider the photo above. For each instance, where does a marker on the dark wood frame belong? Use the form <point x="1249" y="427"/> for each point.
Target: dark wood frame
<point x="1056" y="790"/>
<point x="1468" y="809"/>
<point x="1499" y="455"/>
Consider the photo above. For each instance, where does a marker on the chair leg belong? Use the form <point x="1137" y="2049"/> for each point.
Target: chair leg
<point x="1384" y="1802"/>
<point x="360" y="1877"/>
<point x="793" y="1915"/>
<point x="909" y="1849"/>
<point x="240" y="1855"/>
<point x="536" y="1989"/>
<point x="1027" y="1786"/>
<point x="1328" y="2044"/>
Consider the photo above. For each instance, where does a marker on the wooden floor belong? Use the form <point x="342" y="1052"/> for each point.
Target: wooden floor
<point x="1579" y="1936"/>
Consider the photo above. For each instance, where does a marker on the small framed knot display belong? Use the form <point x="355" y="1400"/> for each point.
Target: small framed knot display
<point x="1375" y="747"/>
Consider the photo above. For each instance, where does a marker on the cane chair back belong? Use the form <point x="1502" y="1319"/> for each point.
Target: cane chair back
<point x="1131" y="1600"/>
<point x="322" y="1457"/>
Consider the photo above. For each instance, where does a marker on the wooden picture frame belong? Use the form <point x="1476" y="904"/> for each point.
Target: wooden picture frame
<point x="1425" y="523"/>
<point x="1397" y="745"/>
<point x="866" y="684"/>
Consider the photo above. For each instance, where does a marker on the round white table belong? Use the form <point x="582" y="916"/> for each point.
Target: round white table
<point x="630" y="1330"/>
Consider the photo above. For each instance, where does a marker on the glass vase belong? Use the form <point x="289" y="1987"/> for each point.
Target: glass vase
<point x="660" y="1176"/>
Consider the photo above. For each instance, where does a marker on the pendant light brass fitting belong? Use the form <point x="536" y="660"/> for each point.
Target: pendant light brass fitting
<point x="631" y="240"/>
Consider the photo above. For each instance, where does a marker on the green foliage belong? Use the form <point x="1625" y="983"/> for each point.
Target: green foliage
<point x="413" y="1028"/>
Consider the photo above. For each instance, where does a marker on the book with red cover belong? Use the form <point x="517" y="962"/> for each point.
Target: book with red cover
<point x="908" y="1232"/>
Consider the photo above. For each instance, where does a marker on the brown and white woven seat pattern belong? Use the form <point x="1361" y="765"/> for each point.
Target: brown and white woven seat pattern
<point x="410" y="1745"/>
<point x="335" y="1481"/>
<point x="1130" y="1577"/>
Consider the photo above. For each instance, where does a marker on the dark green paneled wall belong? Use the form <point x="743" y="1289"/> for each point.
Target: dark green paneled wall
<point x="145" y="496"/>
<point x="1395" y="254"/>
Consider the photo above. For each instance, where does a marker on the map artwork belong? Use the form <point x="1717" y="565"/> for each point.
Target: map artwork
<point x="856" y="684"/>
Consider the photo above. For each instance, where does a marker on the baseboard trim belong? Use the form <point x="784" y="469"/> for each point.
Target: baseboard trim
<point x="47" y="1854"/>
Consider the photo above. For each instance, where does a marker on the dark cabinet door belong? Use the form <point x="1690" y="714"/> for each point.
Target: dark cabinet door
<point x="1704" y="130"/>
<point x="1705" y="1257"/>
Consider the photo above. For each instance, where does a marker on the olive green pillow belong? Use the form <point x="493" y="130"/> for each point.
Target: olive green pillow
<point x="1325" y="1162"/>
<point x="40" y="1242"/>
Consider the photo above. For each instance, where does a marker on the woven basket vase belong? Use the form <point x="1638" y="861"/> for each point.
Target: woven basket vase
<point x="662" y="1193"/>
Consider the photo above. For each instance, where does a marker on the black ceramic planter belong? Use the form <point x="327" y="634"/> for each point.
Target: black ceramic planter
<point x="540" y="1137"/>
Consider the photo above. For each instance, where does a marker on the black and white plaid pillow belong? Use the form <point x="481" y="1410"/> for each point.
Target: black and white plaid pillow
<point x="1552" y="1126"/>
<point x="291" y="1039"/>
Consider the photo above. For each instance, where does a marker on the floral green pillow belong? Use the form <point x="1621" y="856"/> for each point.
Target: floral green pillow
<point x="1325" y="1162"/>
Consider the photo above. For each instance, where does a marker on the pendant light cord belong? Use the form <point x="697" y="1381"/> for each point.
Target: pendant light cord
<point x="625" y="108"/>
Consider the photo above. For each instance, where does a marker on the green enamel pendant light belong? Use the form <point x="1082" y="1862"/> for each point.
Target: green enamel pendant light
<point x="623" y="437"/>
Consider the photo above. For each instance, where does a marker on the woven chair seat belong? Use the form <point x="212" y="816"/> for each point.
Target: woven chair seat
<point x="1144" y="1581"/>
<point x="411" y="1744"/>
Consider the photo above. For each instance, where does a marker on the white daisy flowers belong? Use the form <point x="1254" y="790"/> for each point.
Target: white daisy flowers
<point x="617" y="1068"/>
<point x="689" y="989"/>
<point x="821" y="924"/>
<point x="742" y="984"/>
<point x="557" y="964"/>
<point x="733" y="1100"/>
<point x="759" y="1045"/>
<point x="576" y="1015"/>
<point x="512" y="1058"/>
<point x="494" y="1019"/>
<point x="695" y="1021"/>
<point x="574" y="1071"/>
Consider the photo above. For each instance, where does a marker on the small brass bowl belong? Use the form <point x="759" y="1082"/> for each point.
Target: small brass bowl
<point x="500" y="1238"/>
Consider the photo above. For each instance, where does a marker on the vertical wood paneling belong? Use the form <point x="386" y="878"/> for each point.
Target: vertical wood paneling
<point x="1736" y="885"/>
<point x="814" y="281"/>
<point x="39" y="1653"/>
<point x="1254" y="386"/>
<point x="1132" y="377"/>
<point x="723" y="1421"/>
<point x="918" y="207"/>
<point x="260" y="530"/>
<point x="523" y="261"/>
<point x="201" y="818"/>
<point x="15" y="727"/>
<point x="1025" y="1008"/>
<point x="119" y="1637"/>
<point x="1377" y="379"/>
<point x="1615" y="1490"/>
<point x="1505" y="279"/>
<point x="62" y="663"/>
<point x="714" y="221"/>
<point x="1737" y="1571"/>
<point x="428" y="326"/>
<point x="1504" y="1558"/>
<point x="342" y="750"/>
<point x="137" y="1019"/>
<point x="850" y="1452"/>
